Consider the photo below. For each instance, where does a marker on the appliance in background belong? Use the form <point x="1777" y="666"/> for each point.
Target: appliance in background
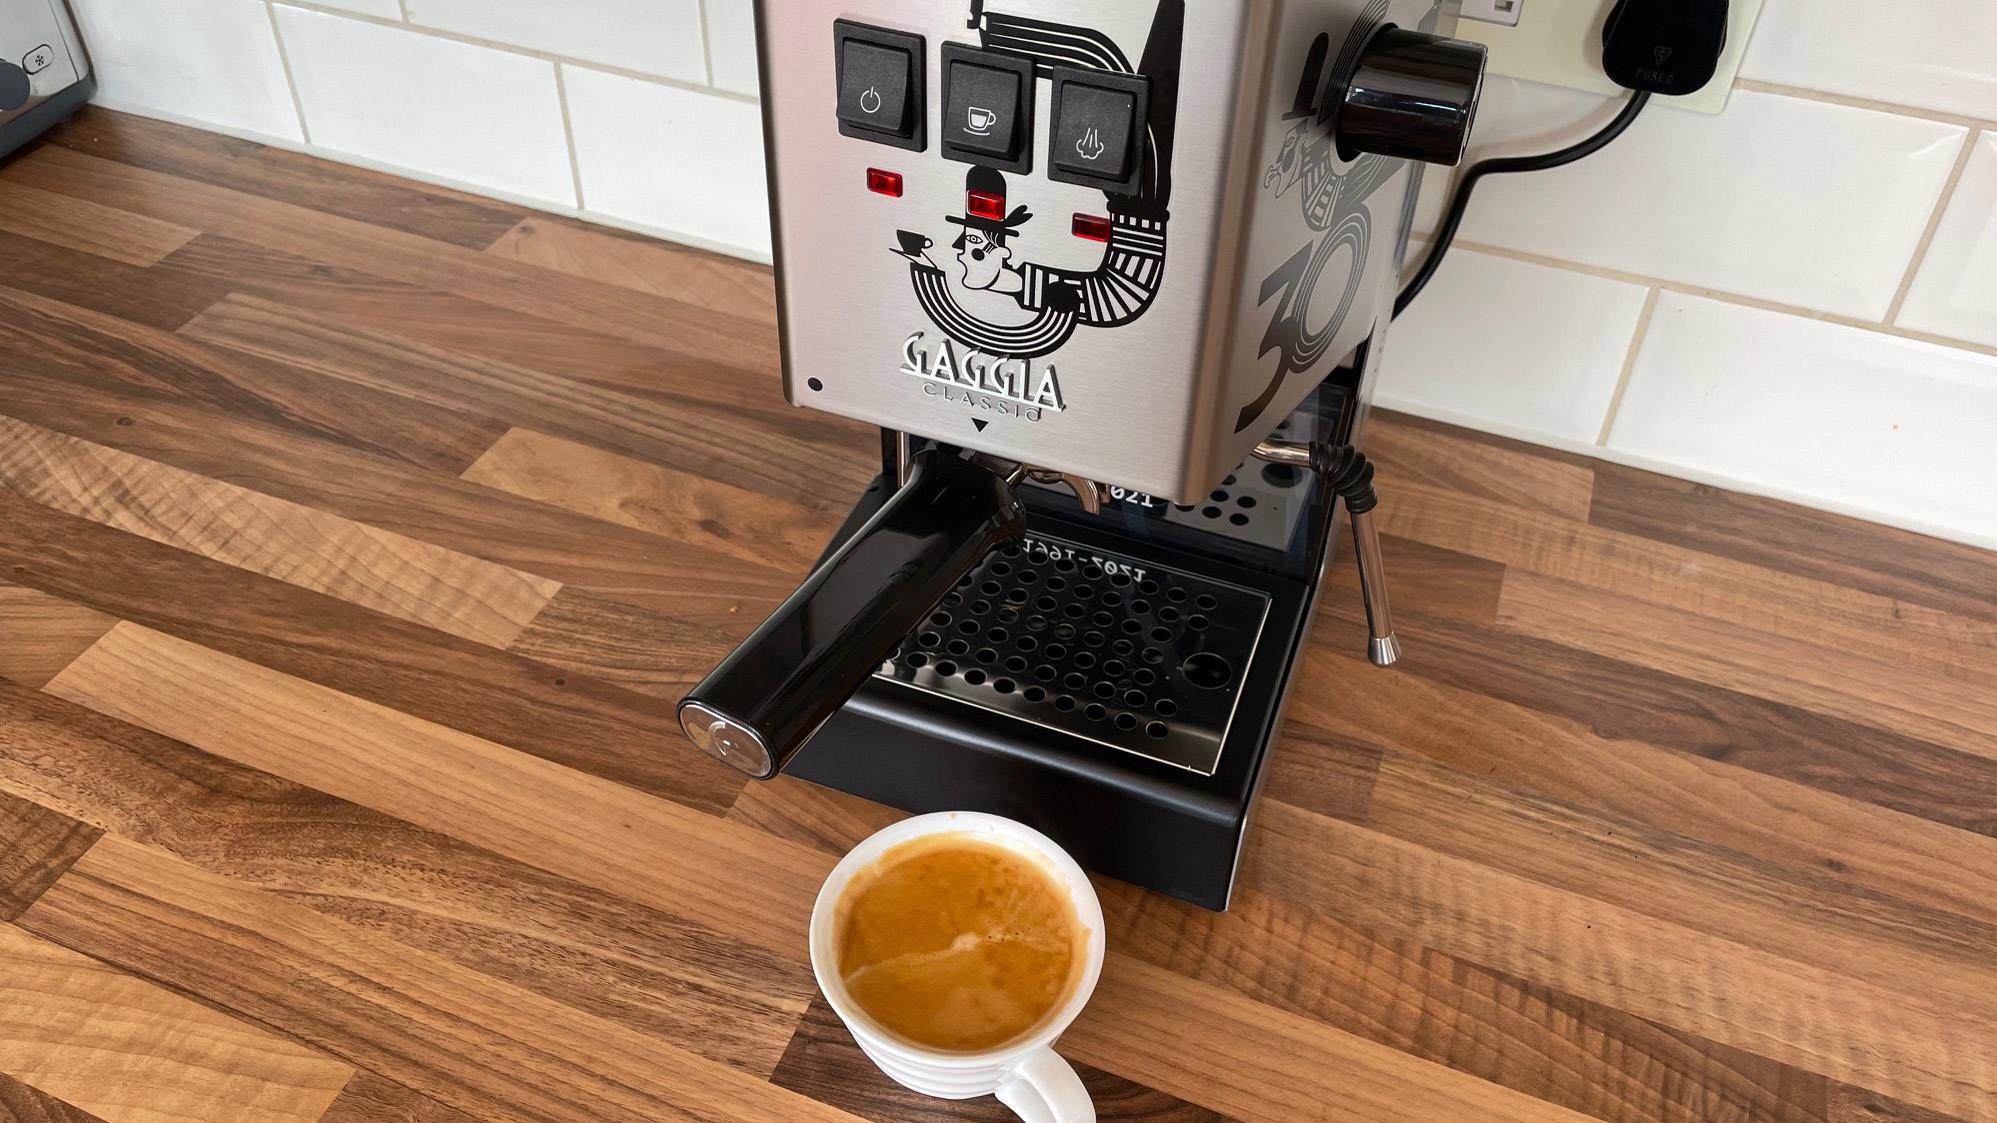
<point x="44" y="73"/>
<point x="1113" y="277"/>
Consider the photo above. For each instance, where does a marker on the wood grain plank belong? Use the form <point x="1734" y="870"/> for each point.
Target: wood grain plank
<point x="1440" y="581"/>
<point x="618" y="643"/>
<point x="569" y="719"/>
<point x="580" y="351"/>
<point x="1323" y="768"/>
<point x="376" y="487"/>
<point x="1881" y="693"/>
<point x="1856" y="1105"/>
<point x="290" y="228"/>
<point x="825" y="471"/>
<point x="95" y="229"/>
<point x="376" y="569"/>
<point x="369" y="1098"/>
<point x="687" y="506"/>
<point x="1834" y="549"/>
<point x="1253" y="1062"/>
<point x="78" y="364"/>
<point x="130" y="1051"/>
<point x="154" y="297"/>
<point x="1619" y="701"/>
<point x="43" y="633"/>
<point x="708" y="871"/>
<point x="645" y="969"/>
<point x="1767" y="600"/>
<point x="471" y="1042"/>
<point x="1815" y="1020"/>
<point x="385" y="200"/>
<point x="1937" y="957"/>
<point x="724" y="284"/>
<point x="37" y="846"/>
<point x="1409" y="450"/>
<point x="823" y="1062"/>
<point x="798" y="811"/>
<point x="1535" y="1040"/>
<point x="22" y="1104"/>
<point x="1774" y="819"/>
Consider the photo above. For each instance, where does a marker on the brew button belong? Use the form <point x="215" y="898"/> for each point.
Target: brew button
<point x="37" y="60"/>
<point x="1093" y="135"/>
<point x="874" y="88"/>
<point x="982" y="113"/>
<point x="15" y="88"/>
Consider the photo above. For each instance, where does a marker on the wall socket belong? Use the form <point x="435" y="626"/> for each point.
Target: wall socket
<point x="1559" y="42"/>
<point x="1505" y="13"/>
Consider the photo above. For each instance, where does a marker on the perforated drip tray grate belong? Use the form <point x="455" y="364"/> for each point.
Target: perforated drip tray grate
<point x="1099" y="645"/>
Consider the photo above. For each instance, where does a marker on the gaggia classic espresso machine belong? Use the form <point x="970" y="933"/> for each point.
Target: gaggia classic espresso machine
<point x="1112" y="276"/>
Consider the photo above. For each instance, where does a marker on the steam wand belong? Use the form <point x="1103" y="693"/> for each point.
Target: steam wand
<point x="1346" y="471"/>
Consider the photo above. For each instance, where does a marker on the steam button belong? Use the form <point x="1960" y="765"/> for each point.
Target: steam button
<point x="1100" y="129"/>
<point x="1092" y="133"/>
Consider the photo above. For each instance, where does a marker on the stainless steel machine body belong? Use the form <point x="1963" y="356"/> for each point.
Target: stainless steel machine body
<point x="1249" y="256"/>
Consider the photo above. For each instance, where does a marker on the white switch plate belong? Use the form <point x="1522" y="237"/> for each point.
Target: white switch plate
<point x="1559" y="42"/>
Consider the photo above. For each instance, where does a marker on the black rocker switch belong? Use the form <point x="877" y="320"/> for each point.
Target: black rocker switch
<point x="988" y="108"/>
<point x="1098" y="128"/>
<point x="880" y="85"/>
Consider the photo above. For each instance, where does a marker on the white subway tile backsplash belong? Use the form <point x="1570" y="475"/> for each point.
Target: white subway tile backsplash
<point x="654" y="36"/>
<point x="467" y="113"/>
<point x="1832" y="414"/>
<point x="673" y="159"/>
<point x="1935" y="54"/>
<point x="1802" y="202"/>
<point x="383" y="9"/>
<point x="731" y="45"/>
<point x="204" y="60"/>
<point x="1955" y="293"/>
<point x="1532" y="349"/>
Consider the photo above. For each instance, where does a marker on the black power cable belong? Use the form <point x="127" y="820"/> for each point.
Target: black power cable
<point x="1460" y="200"/>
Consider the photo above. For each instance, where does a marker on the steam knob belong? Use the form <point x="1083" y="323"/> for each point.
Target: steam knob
<point x="1412" y="95"/>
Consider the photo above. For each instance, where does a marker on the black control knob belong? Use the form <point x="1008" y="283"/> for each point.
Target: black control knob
<point x="1412" y="95"/>
<point x="15" y="87"/>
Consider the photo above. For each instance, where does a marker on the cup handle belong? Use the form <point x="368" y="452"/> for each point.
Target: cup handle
<point x="1045" y="1089"/>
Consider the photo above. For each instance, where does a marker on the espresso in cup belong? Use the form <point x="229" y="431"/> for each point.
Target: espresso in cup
<point x="957" y="943"/>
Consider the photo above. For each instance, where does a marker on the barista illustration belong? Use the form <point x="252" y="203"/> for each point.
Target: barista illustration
<point x="988" y="257"/>
<point x="981" y="248"/>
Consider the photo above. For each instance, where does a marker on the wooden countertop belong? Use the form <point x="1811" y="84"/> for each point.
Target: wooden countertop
<point x="356" y="538"/>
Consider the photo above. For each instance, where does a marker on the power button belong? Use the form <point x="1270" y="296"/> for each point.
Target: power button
<point x="880" y="74"/>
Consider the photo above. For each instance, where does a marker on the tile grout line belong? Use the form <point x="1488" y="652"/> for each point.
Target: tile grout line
<point x="706" y="41"/>
<point x="1802" y="93"/>
<point x="527" y="52"/>
<point x="404" y="5"/>
<point x="1629" y="366"/>
<point x="1934" y="223"/>
<point x="290" y="82"/>
<point x="1724" y="297"/>
<point x="569" y="133"/>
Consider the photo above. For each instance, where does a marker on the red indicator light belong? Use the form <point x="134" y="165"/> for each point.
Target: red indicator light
<point x="986" y="205"/>
<point x="1093" y="227"/>
<point x="884" y="183"/>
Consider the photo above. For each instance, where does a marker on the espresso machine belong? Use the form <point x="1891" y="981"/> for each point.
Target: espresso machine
<point x="1113" y="278"/>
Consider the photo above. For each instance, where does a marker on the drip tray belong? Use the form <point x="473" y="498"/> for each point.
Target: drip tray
<point x="1104" y="646"/>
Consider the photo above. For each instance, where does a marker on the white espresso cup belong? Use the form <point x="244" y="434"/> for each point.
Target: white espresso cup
<point x="1026" y="1075"/>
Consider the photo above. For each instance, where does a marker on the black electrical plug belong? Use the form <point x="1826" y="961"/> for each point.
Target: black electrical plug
<point x="1664" y="46"/>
